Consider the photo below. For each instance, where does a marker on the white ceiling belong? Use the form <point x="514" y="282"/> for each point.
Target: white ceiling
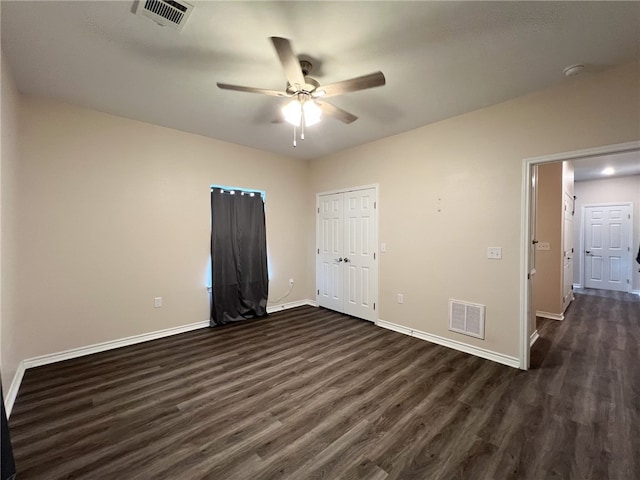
<point x="623" y="164"/>
<point x="440" y="59"/>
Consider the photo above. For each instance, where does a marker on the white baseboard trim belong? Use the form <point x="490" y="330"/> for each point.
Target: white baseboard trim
<point x="577" y="286"/>
<point x="110" y="345"/>
<point x="88" y="350"/>
<point x="13" y="389"/>
<point x="551" y="316"/>
<point x="636" y="292"/>
<point x="287" y="306"/>
<point x="394" y="327"/>
<point x="454" y="344"/>
<point x="532" y="339"/>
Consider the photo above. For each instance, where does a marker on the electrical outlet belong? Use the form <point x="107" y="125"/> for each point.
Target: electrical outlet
<point x="291" y="282"/>
<point x="157" y="302"/>
<point x="494" y="253"/>
<point x="400" y="298"/>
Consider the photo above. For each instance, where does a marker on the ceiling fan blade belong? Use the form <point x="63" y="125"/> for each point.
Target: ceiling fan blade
<point x="239" y="88"/>
<point x="289" y="61"/>
<point x="353" y="85"/>
<point x="333" y="111"/>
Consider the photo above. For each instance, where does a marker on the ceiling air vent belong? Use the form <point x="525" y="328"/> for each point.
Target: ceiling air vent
<point x="167" y="13"/>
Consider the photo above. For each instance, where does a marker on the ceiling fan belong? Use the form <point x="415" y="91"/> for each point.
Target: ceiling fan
<point x="307" y="94"/>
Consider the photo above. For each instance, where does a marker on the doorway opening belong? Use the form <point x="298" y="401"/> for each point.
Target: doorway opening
<point x="528" y="240"/>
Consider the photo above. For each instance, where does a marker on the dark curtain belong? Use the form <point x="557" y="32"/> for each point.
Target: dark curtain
<point x="239" y="278"/>
<point x="8" y="467"/>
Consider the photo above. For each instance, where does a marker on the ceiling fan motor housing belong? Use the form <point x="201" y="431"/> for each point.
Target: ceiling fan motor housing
<point x="306" y="67"/>
<point x="309" y="86"/>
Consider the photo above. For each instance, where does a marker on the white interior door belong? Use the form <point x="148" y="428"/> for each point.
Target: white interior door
<point x="567" y="260"/>
<point x="329" y="270"/>
<point x="359" y="253"/>
<point x="347" y="243"/>
<point x="607" y="255"/>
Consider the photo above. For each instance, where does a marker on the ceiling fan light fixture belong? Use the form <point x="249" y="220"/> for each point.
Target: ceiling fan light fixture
<point x="294" y="110"/>
<point x="312" y="113"/>
<point x="291" y="112"/>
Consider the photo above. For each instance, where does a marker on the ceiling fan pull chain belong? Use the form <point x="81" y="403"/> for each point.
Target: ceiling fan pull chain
<point x="294" y="136"/>
<point x="302" y="121"/>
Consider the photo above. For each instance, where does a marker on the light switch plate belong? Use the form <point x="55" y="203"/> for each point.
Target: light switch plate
<point x="543" y="246"/>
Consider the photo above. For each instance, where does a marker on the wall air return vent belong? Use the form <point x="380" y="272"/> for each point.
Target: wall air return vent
<point x="167" y="13"/>
<point x="466" y="318"/>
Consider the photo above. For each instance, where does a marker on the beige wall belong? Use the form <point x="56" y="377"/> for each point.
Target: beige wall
<point x="548" y="297"/>
<point x="114" y="212"/>
<point x="610" y="190"/>
<point x="451" y="189"/>
<point x="8" y="217"/>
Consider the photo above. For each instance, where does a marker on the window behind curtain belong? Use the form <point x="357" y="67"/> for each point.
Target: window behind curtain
<point x="239" y="276"/>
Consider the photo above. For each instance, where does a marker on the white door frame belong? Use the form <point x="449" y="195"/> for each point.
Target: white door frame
<point x="583" y="232"/>
<point x="525" y="212"/>
<point x="374" y="186"/>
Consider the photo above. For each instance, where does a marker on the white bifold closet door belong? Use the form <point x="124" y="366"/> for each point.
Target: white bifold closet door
<point x="347" y="264"/>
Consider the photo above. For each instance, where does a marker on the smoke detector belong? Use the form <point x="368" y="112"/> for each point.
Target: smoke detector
<point x="573" y="70"/>
<point x="166" y="13"/>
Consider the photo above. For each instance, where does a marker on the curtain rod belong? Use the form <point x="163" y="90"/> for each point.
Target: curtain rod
<point x="234" y="190"/>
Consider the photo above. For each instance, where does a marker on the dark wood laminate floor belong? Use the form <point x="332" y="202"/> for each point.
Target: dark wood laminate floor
<point x="310" y="394"/>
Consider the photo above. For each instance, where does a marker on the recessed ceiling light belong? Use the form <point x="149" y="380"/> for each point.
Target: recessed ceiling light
<point x="572" y="70"/>
<point x="608" y="171"/>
